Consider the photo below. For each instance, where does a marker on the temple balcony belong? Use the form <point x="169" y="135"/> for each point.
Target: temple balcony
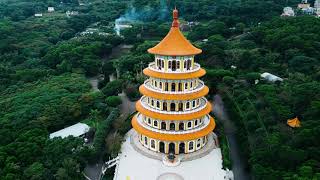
<point x="176" y="90"/>
<point x="154" y="67"/>
<point x="172" y="107"/>
<point x="172" y="129"/>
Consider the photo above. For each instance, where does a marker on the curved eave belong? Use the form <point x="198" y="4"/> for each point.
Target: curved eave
<point x="163" y="96"/>
<point x="174" y="76"/>
<point x="177" y="117"/>
<point x="174" y="53"/>
<point x="174" y="44"/>
<point x="173" y="137"/>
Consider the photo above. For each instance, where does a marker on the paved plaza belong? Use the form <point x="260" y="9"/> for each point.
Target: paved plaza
<point x="138" y="164"/>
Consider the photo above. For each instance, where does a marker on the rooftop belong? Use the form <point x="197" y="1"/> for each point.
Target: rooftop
<point x="175" y="44"/>
<point x="75" y="130"/>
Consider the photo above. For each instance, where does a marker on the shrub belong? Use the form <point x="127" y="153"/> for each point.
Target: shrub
<point x="113" y="101"/>
<point x="112" y="88"/>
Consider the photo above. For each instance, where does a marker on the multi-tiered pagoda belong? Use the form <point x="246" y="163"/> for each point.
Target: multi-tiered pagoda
<point x="173" y="112"/>
<point x="173" y="118"/>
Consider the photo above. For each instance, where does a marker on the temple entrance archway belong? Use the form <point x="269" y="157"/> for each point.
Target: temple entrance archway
<point x="172" y="148"/>
<point x="161" y="147"/>
<point x="182" y="147"/>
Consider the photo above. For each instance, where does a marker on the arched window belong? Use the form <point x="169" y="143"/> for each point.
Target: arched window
<point x="149" y="121"/>
<point x="191" y="145"/>
<point x="193" y="103"/>
<point x="158" y="104"/>
<point x="188" y="64"/>
<point x="185" y="85"/>
<point x="141" y="139"/>
<point x="198" y="143"/>
<point x="188" y="105"/>
<point x="159" y="64"/>
<point x="152" y="103"/>
<point x="160" y="85"/>
<point x="181" y="148"/>
<point x="174" y="65"/>
<point x="163" y="125"/>
<point x="180" y="86"/>
<point x="180" y="106"/>
<point x="161" y="146"/>
<point x="166" y="87"/>
<point x="181" y="126"/>
<point x="196" y="123"/>
<point x="189" y="124"/>
<point x="155" y="83"/>
<point x="184" y="64"/>
<point x="172" y="126"/>
<point x="178" y="64"/>
<point x="153" y="144"/>
<point x="145" y="141"/>
<point x="155" y="123"/>
<point x="162" y="64"/>
<point x="172" y="106"/>
<point x="191" y="84"/>
<point x="170" y="65"/>
<point x="164" y="106"/>
<point x="173" y="87"/>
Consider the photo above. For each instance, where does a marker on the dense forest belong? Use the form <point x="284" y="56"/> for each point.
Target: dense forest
<point x="45" y="63"/>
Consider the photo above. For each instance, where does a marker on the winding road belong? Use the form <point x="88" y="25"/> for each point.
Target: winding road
<point x="238" y="162"/>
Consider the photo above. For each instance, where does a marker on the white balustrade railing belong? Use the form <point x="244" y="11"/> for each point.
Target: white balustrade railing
<point x="206" y="122"/>
<point x="149" y="86"/>
<point x="203" y="104"/>
<point x="153" y="67"/>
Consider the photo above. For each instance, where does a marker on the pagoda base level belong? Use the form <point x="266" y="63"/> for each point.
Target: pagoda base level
<point x="211" y="144"/>
<point x="135" y="166"/>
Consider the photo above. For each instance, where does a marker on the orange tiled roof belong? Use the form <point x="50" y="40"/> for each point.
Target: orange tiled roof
<point x="173" y="137"/>
<point x="174" y="76"/>
<point x="175" y="44"/>
<point x="177" y="117"/>
<point x="294" y="122"/>
<point x="143" y="90"/>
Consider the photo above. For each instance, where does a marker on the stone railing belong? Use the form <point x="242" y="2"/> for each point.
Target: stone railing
<point x="153" y="67"/>
<point x="206" y="122"/>
<point x="149" y="86"/>
<point x="203" y="104"/>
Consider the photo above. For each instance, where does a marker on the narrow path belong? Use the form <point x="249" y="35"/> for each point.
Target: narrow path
<point x="127" y="107"/>
<point x="93" y="171"/>
<point x="238" y="164"/>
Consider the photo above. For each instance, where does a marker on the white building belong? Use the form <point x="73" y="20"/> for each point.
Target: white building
<point x="72" y="13"/>
<point x="317" y="7"/>
<point x="50" y="9"/>
<point x="75" y="130"/>
<point x="38" y="15"/>
<point x="270" y="77"/>
<point x="288" y="11"/>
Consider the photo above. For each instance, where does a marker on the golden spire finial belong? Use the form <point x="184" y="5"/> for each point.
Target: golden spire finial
<point x="175" y="15"/>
